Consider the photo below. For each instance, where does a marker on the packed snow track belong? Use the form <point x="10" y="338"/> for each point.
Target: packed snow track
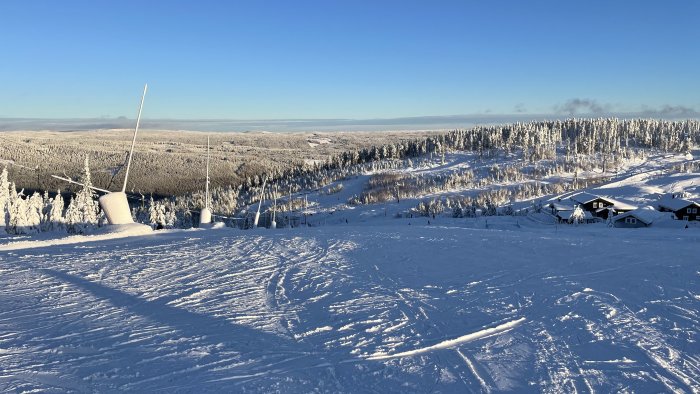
<point x="393" y="308"/>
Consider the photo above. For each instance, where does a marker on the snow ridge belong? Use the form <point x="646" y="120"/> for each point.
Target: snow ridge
<point x="501" y="328"/>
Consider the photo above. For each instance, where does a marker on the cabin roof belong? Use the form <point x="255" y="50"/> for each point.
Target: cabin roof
<point x="585" y="198"/>
<point x="558" y="206"/>
<point x="674" y="204"/>
<point x="619" y="205"/>
<point x="645" y="215"/>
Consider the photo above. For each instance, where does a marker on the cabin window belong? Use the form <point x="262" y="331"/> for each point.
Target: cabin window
<point x="685" y="217"/>
<point x="695" y="210"/>
<point x="689" y="210"/>
<point x="630" y="220"/>
<point x="595" y="205"/>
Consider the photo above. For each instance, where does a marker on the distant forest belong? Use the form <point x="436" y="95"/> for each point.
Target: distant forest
<point x="170" y="162"/>
<point x="542" y="149"/>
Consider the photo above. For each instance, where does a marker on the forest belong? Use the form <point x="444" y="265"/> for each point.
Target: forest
<point x="514" y="159"/>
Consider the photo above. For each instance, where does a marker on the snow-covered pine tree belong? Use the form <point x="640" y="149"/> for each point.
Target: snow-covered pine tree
<point x="169" y="215"/>
<point x="152" y="213"/>
<point x="46" y="213"/>
<point x="577" y="216"/>
<point x="161" y="222"/>
<point x="72" y="219"/>
<point x="184" y="219"/>
<point x="4" y="195"/>
<point x="34" y="206"/>
<point x="16" y="218"/>
<point x="56" y="219"/>
<point x="83" y="214"/>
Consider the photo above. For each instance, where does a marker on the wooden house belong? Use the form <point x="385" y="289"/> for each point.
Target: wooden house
<point x="563" y="212"/>
<point x="682" y="209"/>
<point x="641" y="217"/>
<point x="600" y="206"/>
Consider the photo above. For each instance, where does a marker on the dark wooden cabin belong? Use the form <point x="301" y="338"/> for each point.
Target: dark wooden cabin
<point x="601" y="206"/>
<point x="682" y="209"/>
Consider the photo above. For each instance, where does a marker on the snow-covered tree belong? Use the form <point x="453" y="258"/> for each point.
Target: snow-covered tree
<point x="16" y="215"/>
<point x="577" y="216"/>
<point x="152" y="213"/>
<point x="35" y="207"/>
<point x="83" y="209"/>
<point x="56" y="218"/>
<point x="46" y="212"/>
<point x="4" y="195"/>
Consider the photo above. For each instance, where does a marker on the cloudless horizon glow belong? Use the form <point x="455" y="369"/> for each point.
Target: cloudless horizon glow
<point x="357" y="60"/>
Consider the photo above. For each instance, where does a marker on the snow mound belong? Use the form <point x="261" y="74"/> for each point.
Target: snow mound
<point x="105" y="233"/>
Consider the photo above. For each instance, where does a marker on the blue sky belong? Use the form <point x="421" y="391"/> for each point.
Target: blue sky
<point x="354" y="59"/>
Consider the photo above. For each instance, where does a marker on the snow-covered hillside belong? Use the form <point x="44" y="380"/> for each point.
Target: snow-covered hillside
<point x="364" y="301"/>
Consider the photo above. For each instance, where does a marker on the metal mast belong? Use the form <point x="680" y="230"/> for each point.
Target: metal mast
<point x="133" y="142"/>
<point x="207" y="187"/>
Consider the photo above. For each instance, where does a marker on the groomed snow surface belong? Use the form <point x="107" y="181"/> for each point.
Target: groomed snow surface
<point x="386" y="308"/>
<point x="364" y="302"/>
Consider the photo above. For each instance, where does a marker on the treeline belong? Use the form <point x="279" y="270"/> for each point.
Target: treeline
<point x="540" y="140"/>
<point x="493" y="202"/>
<point x="81" y="214"/>
<point x="547" y="147"/>
<point x="551" y="147"/>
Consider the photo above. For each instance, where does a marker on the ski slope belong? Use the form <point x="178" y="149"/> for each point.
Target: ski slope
<point x="385" y="308"/>
<point x="363" y="302"/>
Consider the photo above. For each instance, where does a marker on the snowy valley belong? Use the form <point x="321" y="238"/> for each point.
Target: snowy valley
<point x="444" y="271"/>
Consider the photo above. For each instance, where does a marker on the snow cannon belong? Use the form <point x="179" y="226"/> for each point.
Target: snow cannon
<point x="114" y="204"/>
<point x="204" y="216"/>
<point x="116" y="208"/>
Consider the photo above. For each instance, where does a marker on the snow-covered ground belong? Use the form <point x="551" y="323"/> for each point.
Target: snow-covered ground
<point x="356" y="308"/>
<point x="376" y="304"/>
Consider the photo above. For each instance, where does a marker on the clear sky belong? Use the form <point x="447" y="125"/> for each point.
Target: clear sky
<point x="347" y="59"/>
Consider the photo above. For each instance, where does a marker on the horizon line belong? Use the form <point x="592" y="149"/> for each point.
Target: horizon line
<point x="410" y="123"/>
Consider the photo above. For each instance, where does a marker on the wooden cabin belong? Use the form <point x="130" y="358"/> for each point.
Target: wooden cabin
<point x="601" y="206"/>
<point x="563" y="212"/>
<point x="682" y="209"/>
<point x="641" y="217"/>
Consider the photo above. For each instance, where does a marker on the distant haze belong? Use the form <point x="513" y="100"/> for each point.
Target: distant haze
<point x="313" y="125"/>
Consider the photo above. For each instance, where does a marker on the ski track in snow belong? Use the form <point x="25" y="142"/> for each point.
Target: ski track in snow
<point x="352" y="309"/>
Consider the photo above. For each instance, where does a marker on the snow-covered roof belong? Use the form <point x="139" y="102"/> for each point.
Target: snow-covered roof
<point x="645" y="215"/>
<point x="561" y="207"/>
<point x="621" y="206"/>
<point x="674" y="204"/>
<point x="584" y="197"/>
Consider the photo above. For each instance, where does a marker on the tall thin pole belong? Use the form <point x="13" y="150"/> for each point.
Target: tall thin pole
<point x="133" y="142"/>
<point x="274" y="206"/>
<point x="262" y="194"/>
<point x="207" y="188"/>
